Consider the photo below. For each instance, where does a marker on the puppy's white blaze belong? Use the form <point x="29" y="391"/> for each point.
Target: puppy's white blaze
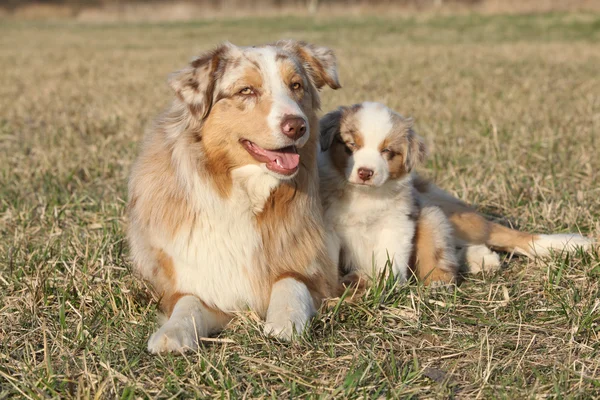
<point x="283" y="104"/>
<point x="543" y="245"/>
<point x="374" y="119"/>
<point x="375" y="123"/>
<point x="290" y="308"/>
<point x="189" y="321"/>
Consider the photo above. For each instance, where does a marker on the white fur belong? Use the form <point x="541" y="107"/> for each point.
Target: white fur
<point x="480" y="258"/>
<point x="206" y="261"/>
<point x="543" y="245"/>
<point x="371" y="224"/>
<point x="283" y="104"/>
<point x="374" y="124"/>
<point x="258" y="185"/>
<point x="189" y="321"/>
<point x="290" y="308"/>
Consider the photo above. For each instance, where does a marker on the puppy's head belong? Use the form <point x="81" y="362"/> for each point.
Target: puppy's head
<point x="369" y="144"/>
<point x="256" y="105"/>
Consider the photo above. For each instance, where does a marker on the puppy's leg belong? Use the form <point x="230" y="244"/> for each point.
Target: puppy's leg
<point x="189" y="321"/>
<point x="434" y="254"/>
<point x="290" y="308"/>
<point x="472" y="228"/>
<point x="480" y="258"/>
<point x="395" y="248"/>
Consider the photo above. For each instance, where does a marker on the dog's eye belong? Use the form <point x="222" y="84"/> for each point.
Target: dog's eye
<point x="386" y="151"/>
<point x="352" y="145"/>
<point x="247" y="91"/>
<point x="296" y="86"/>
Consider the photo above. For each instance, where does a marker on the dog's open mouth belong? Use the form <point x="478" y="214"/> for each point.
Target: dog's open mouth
<point x="284" y="161"/>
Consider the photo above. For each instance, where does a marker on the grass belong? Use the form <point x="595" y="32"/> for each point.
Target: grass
<point x="510" y="106"/>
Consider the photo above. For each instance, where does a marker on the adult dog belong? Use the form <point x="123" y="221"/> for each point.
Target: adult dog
<point x="223" y="199"/>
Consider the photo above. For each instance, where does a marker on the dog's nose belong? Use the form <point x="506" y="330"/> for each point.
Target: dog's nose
<point x="365" y="174"/>
<point x="293" y="127"/>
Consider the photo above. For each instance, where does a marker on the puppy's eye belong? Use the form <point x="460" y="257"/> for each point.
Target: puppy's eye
<point x="296" y="86"/>
<point x="247" y="91"/>
<point x="351" y="145"/>
<point x="386" y="151"/>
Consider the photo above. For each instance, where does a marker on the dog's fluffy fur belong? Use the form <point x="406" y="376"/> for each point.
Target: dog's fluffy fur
<point x="388" y="213"/>
<point x="371" y="209"/>
<point x="478" y="237"/>
<point x="223" y="199"/>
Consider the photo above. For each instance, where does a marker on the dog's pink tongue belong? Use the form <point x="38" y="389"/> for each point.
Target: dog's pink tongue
<point x="285" y="159"/>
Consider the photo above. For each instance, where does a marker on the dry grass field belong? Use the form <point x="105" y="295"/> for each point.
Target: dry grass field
<point x="510" y="106"/>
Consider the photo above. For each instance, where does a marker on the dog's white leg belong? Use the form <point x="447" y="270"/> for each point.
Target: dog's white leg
<point x="290" y="308"/>
<point x="395" y="248"/>
<point x="480" y="258"/>
<point x="189" y="321"/>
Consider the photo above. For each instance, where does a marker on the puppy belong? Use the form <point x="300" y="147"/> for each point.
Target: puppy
<point x="372" y="211"/>
<point x="376" y="210"/>
<point x="224" y="210"/>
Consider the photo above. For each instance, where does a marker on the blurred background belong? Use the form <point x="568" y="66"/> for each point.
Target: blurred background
<point x="89" y="10"/>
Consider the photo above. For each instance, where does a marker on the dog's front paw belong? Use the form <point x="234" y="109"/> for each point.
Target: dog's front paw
<point x="480" y="258"/>
<point x="442" y="286"/>
<point x="290" y="309"/>
<point x="172" y="338"/>
<point x="284" y="330"/>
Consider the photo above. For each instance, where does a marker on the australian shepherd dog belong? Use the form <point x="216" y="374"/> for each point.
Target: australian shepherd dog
<point x="224" y="210"/>
<point x="381" y="216"/>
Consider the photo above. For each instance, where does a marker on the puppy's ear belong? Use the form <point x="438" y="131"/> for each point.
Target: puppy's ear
<point x="195" y="84"/>
<point x="416" y="150"/>
<point x="329" y="126"/>
<point x="320" y="62"/>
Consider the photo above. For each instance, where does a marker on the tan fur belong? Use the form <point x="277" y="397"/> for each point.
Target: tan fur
<point x="158" y="202"/>
<point x="430" y="260"/>
<point x="346" y="132"/>
<point x="468" y="225"/>
<point x="293" y="203"/>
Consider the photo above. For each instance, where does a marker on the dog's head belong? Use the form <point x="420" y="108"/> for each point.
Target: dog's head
<point x="369" y="144"/>
<point x="256" y="105"/>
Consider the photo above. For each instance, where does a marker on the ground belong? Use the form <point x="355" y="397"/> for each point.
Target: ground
<point x="510" y="108"/>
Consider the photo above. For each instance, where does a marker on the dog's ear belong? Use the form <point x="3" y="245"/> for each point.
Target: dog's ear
<point x="329" y="127"/>
<point x="195" y="84"/>
<point x="319" y="62"/>
<point x="416" y="150"/>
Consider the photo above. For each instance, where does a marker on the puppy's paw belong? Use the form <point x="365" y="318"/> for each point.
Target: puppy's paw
<point x="480" y="258"/>
<point x="172" y="338"/>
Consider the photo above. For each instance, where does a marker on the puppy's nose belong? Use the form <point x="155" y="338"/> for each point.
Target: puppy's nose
<point x="365" y="174"/>
<point x="293" y="127"/>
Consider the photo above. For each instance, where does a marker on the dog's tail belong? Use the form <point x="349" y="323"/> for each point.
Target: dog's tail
<point x="472" y="228"/>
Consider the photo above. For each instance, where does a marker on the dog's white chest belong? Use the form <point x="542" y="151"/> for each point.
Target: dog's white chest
<point x="217" y="258"/>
